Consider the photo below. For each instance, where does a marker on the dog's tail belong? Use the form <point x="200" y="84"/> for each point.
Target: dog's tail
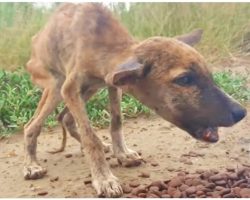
<point x="64" y="132"/>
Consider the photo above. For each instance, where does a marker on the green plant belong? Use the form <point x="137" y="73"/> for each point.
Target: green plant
<point x="233" y="84"/>
<point x="19" y="98"/>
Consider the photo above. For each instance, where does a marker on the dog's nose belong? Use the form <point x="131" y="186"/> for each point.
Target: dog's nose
<point x="238" y="113"/>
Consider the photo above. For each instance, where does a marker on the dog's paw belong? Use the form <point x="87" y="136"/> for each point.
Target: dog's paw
<point x="107" y="187"/>
<point x="34" y="172"/>
<point x="129" y="158"/>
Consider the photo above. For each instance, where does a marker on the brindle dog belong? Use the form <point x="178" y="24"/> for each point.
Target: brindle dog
<point x="83" y="48"/>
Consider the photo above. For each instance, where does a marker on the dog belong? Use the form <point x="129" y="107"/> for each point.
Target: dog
<point x="83" y="48"/>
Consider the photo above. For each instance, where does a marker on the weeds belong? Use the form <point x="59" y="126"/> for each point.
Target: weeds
<point x="19" y="98"/>
<point x="233" y="84"/>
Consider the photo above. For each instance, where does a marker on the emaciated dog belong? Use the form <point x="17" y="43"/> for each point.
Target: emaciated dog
<point x="83" y="48"/>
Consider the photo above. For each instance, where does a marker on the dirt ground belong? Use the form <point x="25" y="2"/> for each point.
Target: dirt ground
<point x="165" y="148"/>
<point x="159" y="142"/>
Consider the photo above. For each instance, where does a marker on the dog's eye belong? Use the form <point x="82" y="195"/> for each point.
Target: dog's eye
<point x="185" y="80"/>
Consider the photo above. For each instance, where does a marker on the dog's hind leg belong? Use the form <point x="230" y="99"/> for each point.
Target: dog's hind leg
<point x="125" y="156"/>
<point x="50" y="99"/>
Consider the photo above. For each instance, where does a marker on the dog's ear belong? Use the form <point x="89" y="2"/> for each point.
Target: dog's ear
<point x="128" y="72"/>
<point x="191" y="38"/>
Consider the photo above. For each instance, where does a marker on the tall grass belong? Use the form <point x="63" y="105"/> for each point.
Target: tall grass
<point x="225" y="24"/>
<point x="18" y="23"/>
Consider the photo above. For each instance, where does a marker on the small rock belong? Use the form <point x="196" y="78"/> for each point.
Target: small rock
<point x="42" y="193"/>
<point x="53" y="179"/>
<point x="88" y="181"/>
<point x="69" y="155"/>
<point x="144" y="175"/>
<point x="154" y="164"/>
<point x="132" y="163"/>
<point x="199" y="171"/>
<point x="170" y="169"/>
<point x="108" y="158"/>
<point x="188" y="162"/>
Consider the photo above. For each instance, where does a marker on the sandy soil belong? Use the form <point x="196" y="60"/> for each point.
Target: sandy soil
<point x="160" y="143"/>
<point x="157" y="140"/>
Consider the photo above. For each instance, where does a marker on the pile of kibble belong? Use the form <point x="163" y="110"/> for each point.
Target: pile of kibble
<point x="211" y="183"/>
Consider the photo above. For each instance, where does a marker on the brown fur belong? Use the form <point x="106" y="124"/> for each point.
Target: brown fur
<point x="83" y="48"/>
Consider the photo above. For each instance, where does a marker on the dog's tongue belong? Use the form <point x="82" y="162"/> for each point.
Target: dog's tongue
<point x="210" y="135"/>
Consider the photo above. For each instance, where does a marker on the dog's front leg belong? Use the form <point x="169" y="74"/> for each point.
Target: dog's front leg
<point x="125" y="156"/>
<point x="105" y="183"/>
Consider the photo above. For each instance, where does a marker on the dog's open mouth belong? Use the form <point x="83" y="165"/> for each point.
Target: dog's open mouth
<point x="209" y="134"/>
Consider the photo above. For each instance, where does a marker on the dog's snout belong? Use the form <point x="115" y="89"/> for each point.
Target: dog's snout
<point x="238" y="113"/>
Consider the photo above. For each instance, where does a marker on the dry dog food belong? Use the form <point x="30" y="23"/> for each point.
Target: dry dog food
<point x="211" y="183"/>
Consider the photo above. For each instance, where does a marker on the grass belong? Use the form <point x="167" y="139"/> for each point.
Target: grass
<point x="226" y="27"/>
<point x="234" y="85"/>
<point x="19" y="98"/>
<point x="225" y="24"/>
<point x="18" y="23"/>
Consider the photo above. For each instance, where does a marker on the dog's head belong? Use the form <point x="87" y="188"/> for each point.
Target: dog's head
<point x="171" y="77"/>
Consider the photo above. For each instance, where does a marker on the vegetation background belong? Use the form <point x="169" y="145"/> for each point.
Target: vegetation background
<point x="226" y="32"/>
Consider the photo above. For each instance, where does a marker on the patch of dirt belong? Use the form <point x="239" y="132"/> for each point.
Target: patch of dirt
<point x="166" y="149"/>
